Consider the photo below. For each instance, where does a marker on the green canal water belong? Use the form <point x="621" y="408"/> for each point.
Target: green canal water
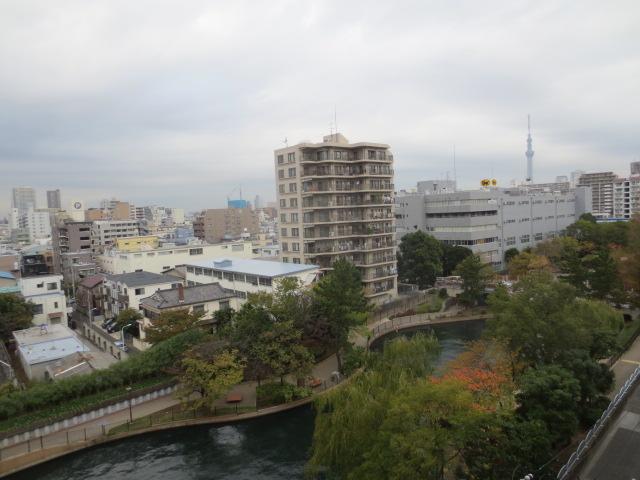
<point x="274" y="447"/>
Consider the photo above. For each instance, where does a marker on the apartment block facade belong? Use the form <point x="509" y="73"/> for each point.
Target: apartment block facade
<point x="626" y="197"/>
<point x="601" y="184"/>
<point x="336" y="201"/>
<point x="491" y="221"/>
<point x="217" y="225"/>
<point x="69" y="236"/>
<point x="104" y="233"/>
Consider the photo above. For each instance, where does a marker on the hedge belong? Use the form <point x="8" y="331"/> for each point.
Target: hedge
<point x="146" y="365"/>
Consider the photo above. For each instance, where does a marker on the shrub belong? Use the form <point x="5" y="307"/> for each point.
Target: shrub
<point x="149" y="364"/>
<point x="442" y="293"/>
<point x="269" y="394"/>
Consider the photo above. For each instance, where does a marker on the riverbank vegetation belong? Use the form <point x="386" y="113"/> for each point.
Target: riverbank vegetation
<point x="509" y="402"/>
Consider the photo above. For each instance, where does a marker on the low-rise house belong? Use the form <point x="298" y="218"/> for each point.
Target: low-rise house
<point x="127" y="289"/>
<point x="48" y="298"/>
<point x="8" y="283"/>
<point x="43" y="350"/>
<point x="201" y="299"/>
<point x="244" y="276"/>
<point x="89" y="295"/>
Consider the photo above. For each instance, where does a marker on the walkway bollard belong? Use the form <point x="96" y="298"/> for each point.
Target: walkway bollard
<point x="67" y="437"/>
<point x="236" y="409"/>
<point x="85" y="434"/>
<point x="41" y="443"/>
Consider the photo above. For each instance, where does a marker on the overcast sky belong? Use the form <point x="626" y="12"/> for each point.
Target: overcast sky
<point x="176" y="103"/>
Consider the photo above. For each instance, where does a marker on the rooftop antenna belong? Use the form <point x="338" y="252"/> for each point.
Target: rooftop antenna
<point x="335" y="119"/>
<point x="286" y="142"/>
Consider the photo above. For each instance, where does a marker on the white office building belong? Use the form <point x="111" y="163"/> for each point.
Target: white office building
<point x="491" y="221"/>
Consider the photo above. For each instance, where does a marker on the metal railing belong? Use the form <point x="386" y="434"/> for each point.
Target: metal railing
<point x="589" y="440"/>
<point x="177" y="414"/>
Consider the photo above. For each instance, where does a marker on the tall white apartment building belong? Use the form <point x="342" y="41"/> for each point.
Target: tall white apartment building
<point x="23" y="198"/>
<point x="601" y="184"/>
<point x="37" y="222"/>
<point x="336" y="201"/>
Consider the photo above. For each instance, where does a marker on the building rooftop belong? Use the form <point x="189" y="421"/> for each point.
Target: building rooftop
<point x="43" y="344"/>
<point x="92" y="281"/>
<point x="170" y="298"/>
<point x="258" y="267"/>
<point x="139" y="279"/>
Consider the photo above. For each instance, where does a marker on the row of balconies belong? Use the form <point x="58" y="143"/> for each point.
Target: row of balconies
<point x="346" y="186"/>
<point x="339" y="201"/>
<point x="346" y="216"/>
<point x="348" y="230"/>
<point x="346" y="156"/>
<point x="378" y="288"/>
<point x="343" y="245"/>
<point x="351" y="171"/>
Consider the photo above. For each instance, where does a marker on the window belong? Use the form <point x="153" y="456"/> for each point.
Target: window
<point x="285" y="259"/>
<point x="292" y="172"/>
<point x="295" y="247"/>
<point x="510" y="241"/>
<point x="198" y="309"/>
<point x="281" y="188"/>
<point x="283" y="203"/>
<point x="295" y="232"/>
<point x="283" y="218"/>
<point x="291" y="157"/>
<point x="371" y="154"/>
<point x="265" y="281"/>
<point x="296" y="260"/>
<point x="338" y="155"/>
<point x="280" y="173"/>
<point x="538" y="236"/>
<point x="40" y="285"/>
<point x="195" y="251"/>
<point x="55" y="304"/>
<point x="140" y="291"/>
<point x="37" y="309"/>
<point x="189" y="269"/>
<point x="237" y="248"/>
<point x="293" y="202"/>
<point x="294" y="218"/>
<point x="283" y="232"/>
<point x="293" y="187"/>
<point x="224" y="305"/>
<point x="198" y="271"/>
<point x="524" y="238"/>
<point x="252" y="279"/>
<point x="52" y="286"/>
<point x="280" y="159"/>
<point x="285" y="247"/>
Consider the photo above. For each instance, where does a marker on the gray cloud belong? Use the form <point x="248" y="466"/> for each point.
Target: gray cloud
<point x="177" y="103"/>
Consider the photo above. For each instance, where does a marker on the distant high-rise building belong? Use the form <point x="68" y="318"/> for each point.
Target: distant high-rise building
<point x="635" y="168"/>
<point x="562" y="179"/>
<point x="257" y="202"/>
<point x="436" y="186"/>
<point x="53" y="199"/>
<point x="23" y="198"/>
<point x="529" y="153"/>
<point x="575" y="177"/>
<point x="238" y="203"/>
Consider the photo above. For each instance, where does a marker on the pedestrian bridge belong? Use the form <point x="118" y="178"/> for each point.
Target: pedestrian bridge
<point x="419" y="320"/>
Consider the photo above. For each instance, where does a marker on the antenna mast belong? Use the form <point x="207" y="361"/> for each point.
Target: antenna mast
<point x="455" y="175"/>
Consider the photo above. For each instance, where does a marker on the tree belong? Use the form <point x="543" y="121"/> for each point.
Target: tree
<point x="550" y="394"/>
<point x="628" y="262"/>
<point x="223" y="318"/>
<point x="452" y="255"/>
<point x="349" y="419"/>
<point x="419" y="259"/>
<point x="15" y="314"/>
<point x="543" y="318"/>
<point x="588" y="217"/>
<point x="128" y="316"/>
<point x="170" y="323"/>
<point x="527" y="262"/>
<point x="338" y="299"/>
<point x="475" y="275"/>
<point x="211" y="377"/>
<point x="509" y="254"/>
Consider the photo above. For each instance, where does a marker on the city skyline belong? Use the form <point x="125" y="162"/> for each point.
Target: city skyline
<point x="158" y="109"/>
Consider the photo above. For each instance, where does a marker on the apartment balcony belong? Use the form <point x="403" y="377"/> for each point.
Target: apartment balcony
<point x="327" y="172"/>
<point x="375" y="289"/>
<point x="321" y="203"/>
<point x="346" y="216"/>
<point x="379" y="274"/>
<point x="330" y="157"/>
<point x="354" y="231"/>
<point x="343" y="246"/>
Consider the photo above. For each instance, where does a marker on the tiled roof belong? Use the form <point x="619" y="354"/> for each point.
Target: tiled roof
<point x="92" y="281"/>
<point x="192" y="295"/>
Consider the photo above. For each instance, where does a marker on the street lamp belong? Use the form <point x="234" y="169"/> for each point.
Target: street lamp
<point x="122" y="332"/>
<point x="128" y="389"/>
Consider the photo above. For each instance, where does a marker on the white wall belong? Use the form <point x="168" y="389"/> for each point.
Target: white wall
<point x="157" y="261"/>
<point x="38" y="290"/>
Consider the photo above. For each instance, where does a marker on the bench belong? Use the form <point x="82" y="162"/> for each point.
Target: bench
<point x="315" y="382"/>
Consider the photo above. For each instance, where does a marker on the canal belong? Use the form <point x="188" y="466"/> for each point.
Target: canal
<point x="274" y="447"/>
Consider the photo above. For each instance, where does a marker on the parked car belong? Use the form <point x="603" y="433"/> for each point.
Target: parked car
<point x="107" y="323"/>
<point x="113" y="327"/>
<point x="121" y="345"/>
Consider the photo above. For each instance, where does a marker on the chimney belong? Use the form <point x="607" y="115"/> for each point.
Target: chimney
<point x="180" y="293"/>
